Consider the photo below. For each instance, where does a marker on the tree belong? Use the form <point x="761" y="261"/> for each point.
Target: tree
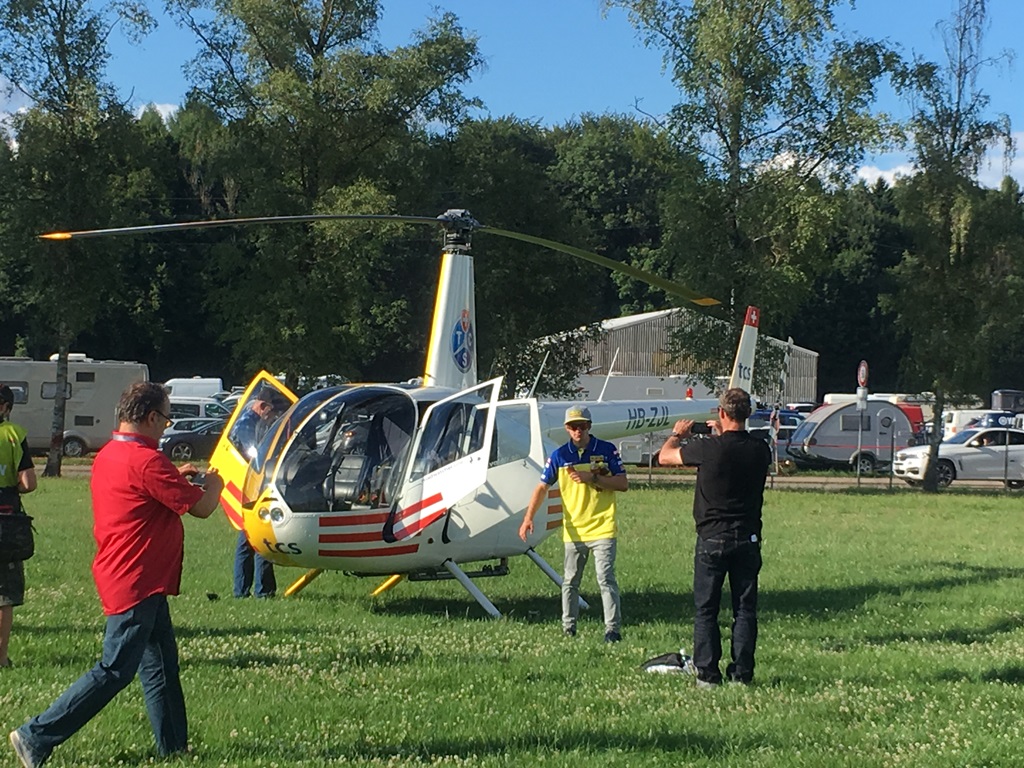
<point x="867" y="242"/>
<point x="615" y="175"/>
<point x="306" y="113"/>
<point x="68" y="168"/>
<point x="934" y="302"/>
<point x="778" y="106"/>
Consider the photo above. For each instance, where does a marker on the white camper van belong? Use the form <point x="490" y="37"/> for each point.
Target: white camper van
<point x="954" y="420"/>
<point x="828" y="436"/>
<point x="197" y="386"/>
<point x="93" y="389"/>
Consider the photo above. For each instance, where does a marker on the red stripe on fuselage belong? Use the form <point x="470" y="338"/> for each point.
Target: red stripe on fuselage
<point x="414" y="508"/>
<point x="405" y="550"/>
<point x="419" y="525"/>
<point x="330" y="522"/>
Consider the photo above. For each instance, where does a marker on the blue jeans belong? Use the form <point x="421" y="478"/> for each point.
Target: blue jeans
<point x="576" y="555"/>
<point x="249" y="564"/>
<point x="140" y="640"/>
<point x="739" y="558"/>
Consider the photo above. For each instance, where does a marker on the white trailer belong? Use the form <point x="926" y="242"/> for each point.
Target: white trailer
<point x="828" y="437"/>
<point x="93" y="389"/>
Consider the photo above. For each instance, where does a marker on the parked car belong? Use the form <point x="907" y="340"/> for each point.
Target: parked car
<point x="971" y="454"/>
<point x="191" y="439"/>
<point x="760" y="423"/>
<point x="198" y="408"/>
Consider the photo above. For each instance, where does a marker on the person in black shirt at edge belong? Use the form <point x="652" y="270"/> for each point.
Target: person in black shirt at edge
<point x="731" y="469"/>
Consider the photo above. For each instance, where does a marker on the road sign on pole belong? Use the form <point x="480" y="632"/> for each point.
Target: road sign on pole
<point x="862" y="374"/>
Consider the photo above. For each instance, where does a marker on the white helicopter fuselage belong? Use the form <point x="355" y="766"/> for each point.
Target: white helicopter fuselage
<point x="444" y="472"/>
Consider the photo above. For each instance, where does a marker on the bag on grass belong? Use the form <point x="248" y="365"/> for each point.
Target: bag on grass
<point x="670" y="663"/>
<point x="17" y="541"/>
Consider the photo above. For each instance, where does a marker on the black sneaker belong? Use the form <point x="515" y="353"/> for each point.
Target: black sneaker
<point x="612" y="637"/>
<point x="569" y="632"/>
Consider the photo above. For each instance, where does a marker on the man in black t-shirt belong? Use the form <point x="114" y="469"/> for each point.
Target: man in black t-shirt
<point x="731" y="469"/>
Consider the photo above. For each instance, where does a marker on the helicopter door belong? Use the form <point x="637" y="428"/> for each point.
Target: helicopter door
<point x="262" y="403"/>
<point x="449" y="459"/>
<point x="516" y="457"/>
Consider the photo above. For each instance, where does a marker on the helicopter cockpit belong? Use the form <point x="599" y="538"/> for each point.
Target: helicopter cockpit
<point x="336" y="448"/>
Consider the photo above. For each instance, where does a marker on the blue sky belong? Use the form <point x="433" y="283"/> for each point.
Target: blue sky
<point x="552" y="60"/>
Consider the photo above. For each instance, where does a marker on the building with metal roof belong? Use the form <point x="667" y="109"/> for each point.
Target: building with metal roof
<point x="640" y="345"/>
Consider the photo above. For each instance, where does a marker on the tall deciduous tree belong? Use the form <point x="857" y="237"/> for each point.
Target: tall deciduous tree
<point x="69" y="167"/>
<point x="615" y="174"/>
<point x="312" y="115"/>
<point x="779" y="106"/>
<point x="936" y="302"/>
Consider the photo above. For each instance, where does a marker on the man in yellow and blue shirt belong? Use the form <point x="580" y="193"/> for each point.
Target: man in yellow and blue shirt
<point x="588" y="471"/>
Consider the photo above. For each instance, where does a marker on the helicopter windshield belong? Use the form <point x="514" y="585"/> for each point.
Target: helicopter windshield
<point x="337" y="447"/>
<point x="266" y="453"/>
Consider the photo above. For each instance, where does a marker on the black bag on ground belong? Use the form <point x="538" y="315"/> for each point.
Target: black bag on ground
<point x="17" y="541"/>
<point x="670" y="663"/>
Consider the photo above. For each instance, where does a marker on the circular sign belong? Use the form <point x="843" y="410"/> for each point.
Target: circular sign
<point x="862" y="374"/>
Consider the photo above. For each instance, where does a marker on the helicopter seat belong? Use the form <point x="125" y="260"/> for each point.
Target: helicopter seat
<point x="344" y="485"/>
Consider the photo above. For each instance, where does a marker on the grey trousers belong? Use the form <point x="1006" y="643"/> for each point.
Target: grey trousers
<point x="576" y="555"/>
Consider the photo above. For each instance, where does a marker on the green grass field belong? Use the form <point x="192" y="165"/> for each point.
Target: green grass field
<point x="891" y="634"/>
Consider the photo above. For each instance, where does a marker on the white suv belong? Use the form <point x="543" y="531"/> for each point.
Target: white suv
<point x="972" y="454"/>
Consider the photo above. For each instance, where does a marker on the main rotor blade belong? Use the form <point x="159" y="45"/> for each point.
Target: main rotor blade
<point x="185" y="225"/>
<point x="616" y="266"/>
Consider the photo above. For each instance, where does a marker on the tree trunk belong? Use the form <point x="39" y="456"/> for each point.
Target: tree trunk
<point x="931" y="478"/>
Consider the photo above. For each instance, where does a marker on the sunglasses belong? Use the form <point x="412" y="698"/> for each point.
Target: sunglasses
<point x="581" y="426"/>
<point x="166" y="417"/>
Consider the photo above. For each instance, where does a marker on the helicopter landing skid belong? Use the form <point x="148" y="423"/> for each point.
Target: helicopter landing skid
<point x="436" y="574"/>
<point x="551" y="573"/>
<point x="458" y="574"/>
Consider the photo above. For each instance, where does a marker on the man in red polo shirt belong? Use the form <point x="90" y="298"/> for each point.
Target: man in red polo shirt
<point x="138" y="498"/>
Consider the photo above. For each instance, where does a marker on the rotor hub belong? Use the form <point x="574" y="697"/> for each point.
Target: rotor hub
<point x="458" y="226"/>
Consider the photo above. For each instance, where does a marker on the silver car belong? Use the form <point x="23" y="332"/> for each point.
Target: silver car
<point x="973" y="454"/>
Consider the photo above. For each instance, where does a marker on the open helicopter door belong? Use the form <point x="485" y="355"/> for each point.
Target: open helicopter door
<point x="471" y="452"/>
<point x="262" y="403"/>
<point x="449" y="460"/>
<point x="516" y="456"/>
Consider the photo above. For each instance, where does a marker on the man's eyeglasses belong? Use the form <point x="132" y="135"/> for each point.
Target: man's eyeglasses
<point x="578" y="426"/>
<point x="166" y="417"/>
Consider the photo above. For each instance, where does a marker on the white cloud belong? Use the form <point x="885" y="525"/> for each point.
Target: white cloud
<point x="166" y="110"/>
<point x="994" y="166"/>
<point x="872" y="173"/>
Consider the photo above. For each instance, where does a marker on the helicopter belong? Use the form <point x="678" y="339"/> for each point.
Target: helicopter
<point x="416" y="480"/>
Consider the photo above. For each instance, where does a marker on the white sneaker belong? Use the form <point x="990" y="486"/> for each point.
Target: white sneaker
<point x="24" y="752"/>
